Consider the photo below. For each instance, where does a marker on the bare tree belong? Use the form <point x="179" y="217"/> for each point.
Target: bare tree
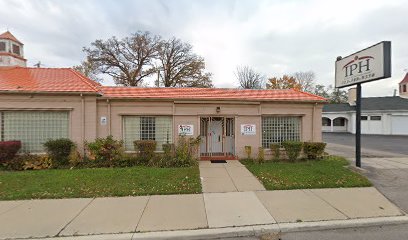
<point x="248" y="78"/>
<point x="128" y="60"/>
<point x="322" y="91"/>
<point x="306" y="80"/>
<point x="89" y="70"/>
<point x="180" y="67"/>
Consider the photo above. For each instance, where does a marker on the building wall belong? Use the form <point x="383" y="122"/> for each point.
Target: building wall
<point x="382" y="127"/>
<point x="82" y="111"/>
<point x="185" y="112"/>
<point x="86" y="114"/>
<point x="11" y="61"/>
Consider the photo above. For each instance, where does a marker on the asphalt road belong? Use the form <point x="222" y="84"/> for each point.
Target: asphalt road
<point x="389" y="232"/>
<point x="393" y="183"/>
<point x="393" y="144"/>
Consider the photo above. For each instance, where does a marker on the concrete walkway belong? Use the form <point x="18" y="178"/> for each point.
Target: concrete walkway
<point x="135" y="215"/>
<point x="227" y="177"/>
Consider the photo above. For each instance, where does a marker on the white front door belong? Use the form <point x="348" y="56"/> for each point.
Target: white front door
<point x="215" y="132"/>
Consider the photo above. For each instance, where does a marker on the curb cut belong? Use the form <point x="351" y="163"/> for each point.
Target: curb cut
<point x="245" y="231"/>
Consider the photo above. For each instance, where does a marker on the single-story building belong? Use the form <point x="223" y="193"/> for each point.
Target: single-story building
<point x="37" y="104"/>
<point x="379" y="115"/>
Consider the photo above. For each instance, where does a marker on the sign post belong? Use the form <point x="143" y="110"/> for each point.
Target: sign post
<point x="370" y="64"/>
<point x="358" y="126"/>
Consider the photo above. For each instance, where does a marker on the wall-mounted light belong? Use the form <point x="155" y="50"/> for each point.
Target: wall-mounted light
<point x="218" y="109"/>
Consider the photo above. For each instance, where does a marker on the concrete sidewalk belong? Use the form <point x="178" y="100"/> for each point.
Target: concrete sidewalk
<point x="227" y="177"/>
<point x="136" y="215"/>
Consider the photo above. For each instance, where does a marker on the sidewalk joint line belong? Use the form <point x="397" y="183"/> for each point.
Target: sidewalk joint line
<point x="79" y="213"/>
<point x="324" y="200"/>
<point x="144" y="209"/>
<point x="205" y="210"/>
<point x="18" y="205"/>
<point x="232" y="180"/>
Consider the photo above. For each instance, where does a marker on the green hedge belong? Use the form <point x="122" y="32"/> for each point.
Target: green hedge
<point x="314" y="150"/>
<point x="293" y="149"/>
<point x="59" y="150"/>
<point x="146" y="149"/>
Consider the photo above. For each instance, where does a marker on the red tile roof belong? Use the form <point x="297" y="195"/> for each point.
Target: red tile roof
<point x="23" y="79"/>
<point x="405" y="80"/>
<point x="9" y="36"/>
<point x="210" y="94"/>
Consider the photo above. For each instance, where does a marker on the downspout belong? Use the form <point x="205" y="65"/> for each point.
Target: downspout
<point x="109" y="117"/>
<point x="313" y="121"/>
<point x="83" y="123"/>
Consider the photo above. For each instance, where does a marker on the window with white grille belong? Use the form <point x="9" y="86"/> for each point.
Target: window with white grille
<point x="33" y="128"/>
<point x="277" y="129"/>
<point x="159" y="129"/>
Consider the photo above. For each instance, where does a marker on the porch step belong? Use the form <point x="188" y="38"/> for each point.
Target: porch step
<point x="209" y="158"/>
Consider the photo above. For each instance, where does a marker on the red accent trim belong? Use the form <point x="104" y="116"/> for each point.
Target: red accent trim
<point x="364" y="57"/>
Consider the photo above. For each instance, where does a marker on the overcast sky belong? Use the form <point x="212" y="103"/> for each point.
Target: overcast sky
<point x="274" y="37"/>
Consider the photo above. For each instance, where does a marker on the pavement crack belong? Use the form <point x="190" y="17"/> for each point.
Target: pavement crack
<point x="66" y="225"/>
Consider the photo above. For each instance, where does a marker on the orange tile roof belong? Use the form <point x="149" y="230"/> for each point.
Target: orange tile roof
<point x="405" y="80"/>
<point x="9" y="36"/>
<point x="210" y="94"/>
<point x="23" y="79"/>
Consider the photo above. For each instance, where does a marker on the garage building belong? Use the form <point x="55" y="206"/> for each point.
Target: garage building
<point x="379" y="115"/>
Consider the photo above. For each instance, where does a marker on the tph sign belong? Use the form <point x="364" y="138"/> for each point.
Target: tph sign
<point x="370" y="64"/>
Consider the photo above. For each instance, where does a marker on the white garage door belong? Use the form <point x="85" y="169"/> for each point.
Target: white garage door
<point x="399" y="125"/>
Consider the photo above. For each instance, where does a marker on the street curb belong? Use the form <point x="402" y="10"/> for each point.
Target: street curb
<point x="245" y="231"/>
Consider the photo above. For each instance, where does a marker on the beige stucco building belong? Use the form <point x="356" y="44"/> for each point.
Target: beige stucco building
<point x="37" y="104"/>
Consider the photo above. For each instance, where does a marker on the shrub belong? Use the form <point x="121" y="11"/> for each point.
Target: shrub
<point x="248" y="151"/>
<point x="37" y="162"/>
<point x="275" y="148"/>
<point x="15" y="164"/>
<point x="8" y="150"/>
<point x="167" y="158"/>
<point x="59" y="150"/>
<point x="261" y="155"/>
<point x="314" y="150"/>
<point x="74" y="157"/>
<point x="127" y="160"/>
<point x="146" y="149"/>
<point x="105" y="151"/>
<point x="293" y="149"/>
<point x="185" y="152"/>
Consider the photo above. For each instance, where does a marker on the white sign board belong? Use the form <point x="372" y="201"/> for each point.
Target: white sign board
<point x="186" y="130"/>
<point x="370" y="64"/>
<point x="104" y="120"/>
<point x="248" y="129"/>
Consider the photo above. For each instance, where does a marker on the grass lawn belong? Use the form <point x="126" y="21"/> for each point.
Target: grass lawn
<point x="98" y="182"/>
<point x="326" y="173"/>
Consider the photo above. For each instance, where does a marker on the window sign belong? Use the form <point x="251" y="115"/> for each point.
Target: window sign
<point x="248" y="129"/>
<point x="104" y="120"/>
<point x="186" y="130"/>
